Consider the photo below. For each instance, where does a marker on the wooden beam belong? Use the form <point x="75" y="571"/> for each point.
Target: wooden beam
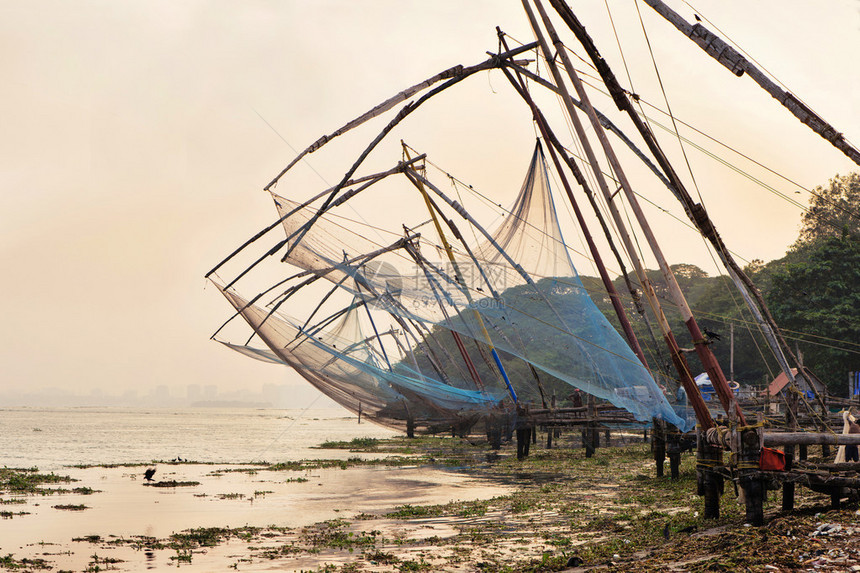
<point x="810" y="439"/>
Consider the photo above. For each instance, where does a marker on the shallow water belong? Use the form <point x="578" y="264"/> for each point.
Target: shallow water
<point x="124" y="507"/>
<point x="57" y="437"/>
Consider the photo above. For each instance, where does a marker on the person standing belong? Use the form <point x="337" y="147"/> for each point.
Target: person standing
<point x="851" y="450"/>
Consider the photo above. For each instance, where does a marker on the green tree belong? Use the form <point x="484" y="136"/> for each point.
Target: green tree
<point x="833" y="211"/>
<point x="817" y="300"/>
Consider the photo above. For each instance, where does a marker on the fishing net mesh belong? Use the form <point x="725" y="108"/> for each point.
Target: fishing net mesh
<point x="432" y="331"/>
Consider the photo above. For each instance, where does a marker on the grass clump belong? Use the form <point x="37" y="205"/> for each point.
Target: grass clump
<point x="28" y="481"/>
<point x="9" y="562"/>
<point x="333" y="534"/>
<point x="172" y="483"/>
<point x="356" y="444"/>
<point x="11" y="514"/>
<point x="71" y="507"/>
<point x="415" y="511"/>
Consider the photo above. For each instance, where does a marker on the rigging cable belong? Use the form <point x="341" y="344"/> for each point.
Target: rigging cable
<point x="668" y="106"/>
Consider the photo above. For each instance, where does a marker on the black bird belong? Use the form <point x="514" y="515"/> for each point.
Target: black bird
<point x="710" y="334"/>
<point x="696" y="16"/>
<point x="147" y="475"/>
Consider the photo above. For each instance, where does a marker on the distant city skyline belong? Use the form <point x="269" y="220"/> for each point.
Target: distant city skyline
<point x="269" y="396"/>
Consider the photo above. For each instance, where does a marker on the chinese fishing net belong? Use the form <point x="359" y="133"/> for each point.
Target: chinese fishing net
<point x="431" y="331"/>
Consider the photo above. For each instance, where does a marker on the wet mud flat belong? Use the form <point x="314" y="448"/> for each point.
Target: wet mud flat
<point x="430" y="504"/>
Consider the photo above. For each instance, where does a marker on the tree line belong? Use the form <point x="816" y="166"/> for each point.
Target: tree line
<point x="813" y="292"/>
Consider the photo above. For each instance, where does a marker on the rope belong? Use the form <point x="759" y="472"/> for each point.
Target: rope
<point x="747" y="466"/>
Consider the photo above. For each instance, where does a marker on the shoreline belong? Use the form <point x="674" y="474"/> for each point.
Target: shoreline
<point x="429" y="504"/>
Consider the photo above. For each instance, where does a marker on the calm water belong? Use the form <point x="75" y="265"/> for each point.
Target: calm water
<point x="52" y="438"/>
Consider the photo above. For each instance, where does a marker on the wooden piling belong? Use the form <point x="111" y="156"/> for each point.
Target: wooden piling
<point x="658" y="444"/>
<point x="788" y="486"/>
<point x="673" y="449"/>
<point x="747" y="442"/>
<point x="709" y="482"/>
<point x="591" y="437"/>
<point x="524" y="431"/>
<point x="524" y="435"/>
<point x="494" y="434"/>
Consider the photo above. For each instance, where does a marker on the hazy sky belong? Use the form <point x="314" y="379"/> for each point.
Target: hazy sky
<point x="136" y="139"/>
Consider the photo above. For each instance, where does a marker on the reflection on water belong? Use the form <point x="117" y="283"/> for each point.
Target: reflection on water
<point x="124" y="508"/>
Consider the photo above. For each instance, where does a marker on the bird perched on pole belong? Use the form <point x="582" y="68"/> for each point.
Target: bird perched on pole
<point x="711" y="334"/>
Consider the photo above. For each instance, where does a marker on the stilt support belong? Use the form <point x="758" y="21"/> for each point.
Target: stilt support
<point x="658" y="444"/>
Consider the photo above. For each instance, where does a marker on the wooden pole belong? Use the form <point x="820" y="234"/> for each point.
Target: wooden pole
<point x="592" y="247"/>
<point x="673" y="449"/>
<point x="747" y="443"/>
<point x="658" y="444"/>
<point x="702" y="414"/>
<point x="695" y="211"/>
<point x="788" y="487"/>
<point x="456" y="73"/>
<point x="732" y="351"/>
<point x="737" y="64"/>
<point x="709" y="483"/>
<point x="704" y="353"/>
<point x="850" y="386"/>
<point x="549" y="429"/>
<point x="810" y="439"/>
<point x="592" y="436"/>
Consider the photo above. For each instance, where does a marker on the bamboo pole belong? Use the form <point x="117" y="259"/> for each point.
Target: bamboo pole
<point x="458" y="276"/>
<point x="373" y="178"/>
<point x="459" y="236"/>
<point x="317" y="274"/>
<point x="494" y="62"/>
